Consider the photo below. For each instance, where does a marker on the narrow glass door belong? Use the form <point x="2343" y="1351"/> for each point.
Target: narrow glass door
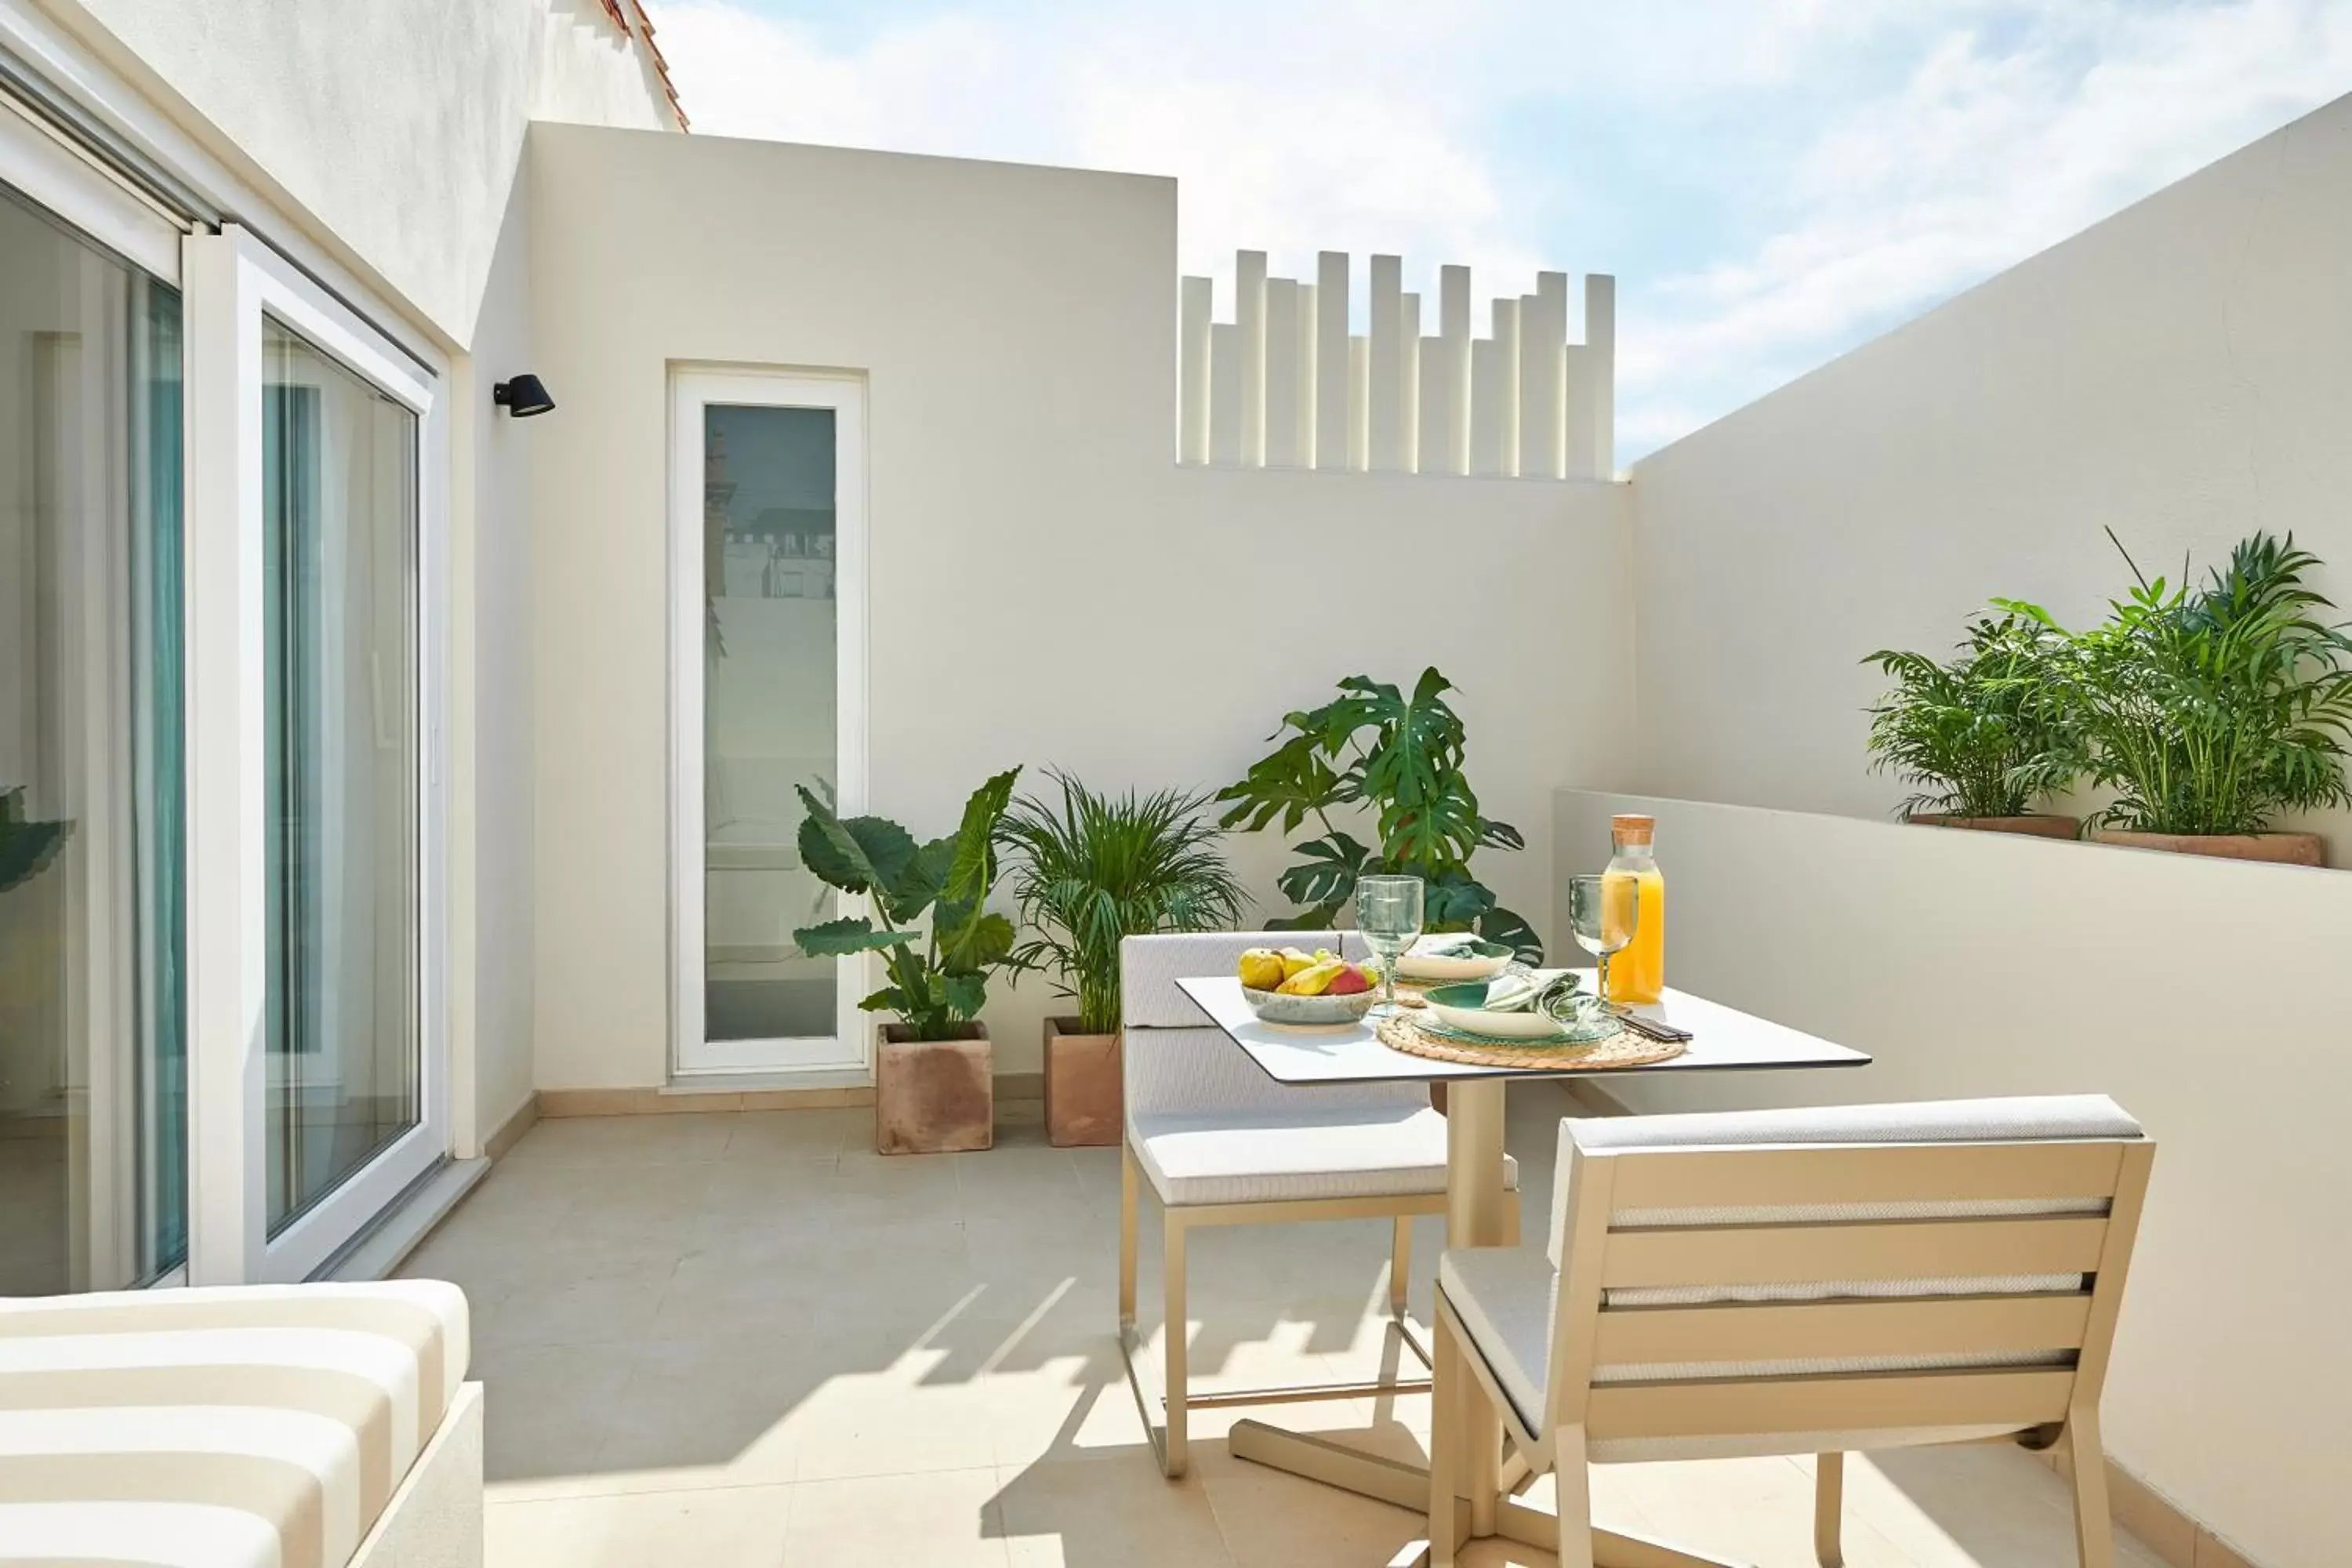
<point x="340" y="814"/>
<point x="762" y="553"/>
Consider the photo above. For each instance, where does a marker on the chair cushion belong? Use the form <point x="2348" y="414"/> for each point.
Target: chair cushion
<point x="264" y="1424"/>
<point x="1307" y="1152"/>
<point x="1506" y="1298"/>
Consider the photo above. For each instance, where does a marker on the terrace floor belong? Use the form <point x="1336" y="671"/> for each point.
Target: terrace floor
<point x="746" y="1340"/>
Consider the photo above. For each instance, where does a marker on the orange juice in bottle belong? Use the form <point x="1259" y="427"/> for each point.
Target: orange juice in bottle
<point x="1639" y="972"/>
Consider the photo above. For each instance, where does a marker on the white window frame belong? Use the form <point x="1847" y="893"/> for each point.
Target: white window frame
<point x="232" y="281"/>
<point x="846" y="1057"/>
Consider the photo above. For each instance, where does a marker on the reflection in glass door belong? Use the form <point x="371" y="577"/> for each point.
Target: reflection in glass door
<point x="93" y="1109"/>
<point x="340" y="703"/>
<point x="767" y="499"/>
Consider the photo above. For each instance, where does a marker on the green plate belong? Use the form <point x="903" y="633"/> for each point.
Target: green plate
<point x="1592" y="1031"/>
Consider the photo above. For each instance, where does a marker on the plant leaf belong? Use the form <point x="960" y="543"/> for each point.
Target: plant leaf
<point x="836" y="939"/>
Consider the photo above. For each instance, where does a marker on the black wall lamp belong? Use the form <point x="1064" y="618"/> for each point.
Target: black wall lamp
<point x="523" y="397"/>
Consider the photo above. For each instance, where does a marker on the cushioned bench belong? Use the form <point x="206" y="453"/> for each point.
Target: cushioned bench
<point x="263" y="1427"/>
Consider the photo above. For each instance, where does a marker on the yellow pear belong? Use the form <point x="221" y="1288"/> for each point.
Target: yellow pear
<point x="1262" y="969"/>
<point x="1311" y="981"/>
<point x="1294" y="960"/>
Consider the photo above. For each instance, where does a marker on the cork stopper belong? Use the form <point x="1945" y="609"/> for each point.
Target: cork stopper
<point x="1633" y="828"/>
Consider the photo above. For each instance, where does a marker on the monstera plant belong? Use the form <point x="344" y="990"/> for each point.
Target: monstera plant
<point x="1395" y="763"/>
<point x="939" y="977"/>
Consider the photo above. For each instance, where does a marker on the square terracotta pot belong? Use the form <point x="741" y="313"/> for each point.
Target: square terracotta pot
<point x="2285" y="848"/>
<point x="934" y="1097"/>
<point x="1085" y="1099"/>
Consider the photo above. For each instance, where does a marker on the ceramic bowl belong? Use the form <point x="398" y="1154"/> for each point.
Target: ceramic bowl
<point x="1463" y="1005"/>
<point x="1274" y="1007"/>
<point x="1487" y="958"/>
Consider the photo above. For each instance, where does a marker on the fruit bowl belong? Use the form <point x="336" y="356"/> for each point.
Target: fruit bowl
<point x="1276" y="1007"/>
<point x="1469" y="961"/>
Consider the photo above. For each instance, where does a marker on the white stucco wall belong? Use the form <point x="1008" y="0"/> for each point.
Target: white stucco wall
<point x="2207" y="996"/>
<point x="492" y="838"/>
<point x="391" y="131"/>
<point x="2182" y="373"/>
<point x="1047" y="586"/>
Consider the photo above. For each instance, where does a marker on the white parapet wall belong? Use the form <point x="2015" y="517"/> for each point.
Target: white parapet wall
<point x="1287" y="383"/>
<point x="2208" y="996"/>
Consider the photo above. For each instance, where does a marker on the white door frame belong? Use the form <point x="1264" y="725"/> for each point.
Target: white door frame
<point x="232" y="281"/>
<point x="845" y="1056"/>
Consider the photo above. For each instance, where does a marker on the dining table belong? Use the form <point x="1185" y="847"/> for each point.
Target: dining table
<point x="1477" y="1206"/>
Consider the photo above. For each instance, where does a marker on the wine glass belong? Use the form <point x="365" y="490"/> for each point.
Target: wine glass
<point x="1388" y="913"/>
<point x="1603" y="910"/>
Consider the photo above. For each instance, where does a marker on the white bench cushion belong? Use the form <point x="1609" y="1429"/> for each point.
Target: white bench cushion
<point x="257" y="1425"/>
<point x="1233" y="1157"/>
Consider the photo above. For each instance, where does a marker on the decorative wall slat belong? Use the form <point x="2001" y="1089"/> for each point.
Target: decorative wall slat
<point x="1288" y="384"/>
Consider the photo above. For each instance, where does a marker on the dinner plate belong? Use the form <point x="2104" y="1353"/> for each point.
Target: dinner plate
<point x="1484" y="959"/>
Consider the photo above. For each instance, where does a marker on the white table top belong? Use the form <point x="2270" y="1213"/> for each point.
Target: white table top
<point x="1721" y="1038"/>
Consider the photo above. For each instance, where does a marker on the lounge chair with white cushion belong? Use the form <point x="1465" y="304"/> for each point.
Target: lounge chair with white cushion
<point x="260" y="1426"/>
<point x="1795" y="1282"/>
<point x="1222" y="1143"/>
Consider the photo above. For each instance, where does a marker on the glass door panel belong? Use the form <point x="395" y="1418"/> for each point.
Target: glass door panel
<point x="93" y="1109"/>
<point x="342" y="807"/>
<point x="770" y="673"/>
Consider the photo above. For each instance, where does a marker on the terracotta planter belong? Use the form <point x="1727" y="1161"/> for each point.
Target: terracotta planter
<point x="2283" y="848"/>
<point x="2037" y="825"/>
<point x="934" y="1097"/>
<point x="1084" y="1099"/>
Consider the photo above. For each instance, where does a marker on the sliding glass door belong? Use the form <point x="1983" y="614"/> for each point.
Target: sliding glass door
<point x="319" y="1069"/>
<point x="339" y="522"/>
<point x="93" y="1108"/>
<point x="766" y="527"/>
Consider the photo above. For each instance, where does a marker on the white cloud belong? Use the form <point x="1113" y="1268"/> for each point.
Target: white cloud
<point x="1798" y="173"/>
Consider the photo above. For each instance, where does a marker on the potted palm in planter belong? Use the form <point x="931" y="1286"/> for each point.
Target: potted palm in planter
<point x="2210" y="711"/>
<point x="1088" y="870"/>
<point x="1974" y="735"/>
<point x="934" y="1082"/>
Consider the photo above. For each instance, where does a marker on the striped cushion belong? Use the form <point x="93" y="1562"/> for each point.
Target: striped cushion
<point x="262" y="1426"/>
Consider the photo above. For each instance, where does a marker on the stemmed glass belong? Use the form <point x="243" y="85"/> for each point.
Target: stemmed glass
<point x="1388" y="913"/>
<point x="1603" y="910"/>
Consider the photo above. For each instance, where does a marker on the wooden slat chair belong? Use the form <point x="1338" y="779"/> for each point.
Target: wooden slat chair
<point x="1222" y="1143"/>
<point x="1793" y="1282"/>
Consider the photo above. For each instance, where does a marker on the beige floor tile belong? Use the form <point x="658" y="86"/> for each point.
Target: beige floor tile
<point x="624" y="1139"/>
<point x="1274" y="1520"/>
<point x="740" y="1527"/>
<point x="944" y="1520"/>
<point x="546" y="1410"/>
<point x="792" y="1135"/>
<point x="895" y="1419"/>
<point x="1061" y="1515"/>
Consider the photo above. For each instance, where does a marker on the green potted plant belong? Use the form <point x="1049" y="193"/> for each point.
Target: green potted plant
<point x="1089" y="871"/>
<point x="1974" y="735"/>
<point x="2208" y="711"/>
<point x="1400" y="757"/>
<point x="934" y="1082"/>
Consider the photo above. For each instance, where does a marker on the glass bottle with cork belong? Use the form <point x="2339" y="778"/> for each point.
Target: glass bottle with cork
<point x="1639" y="974"/>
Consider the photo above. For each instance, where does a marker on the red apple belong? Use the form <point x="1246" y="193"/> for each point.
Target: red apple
<point x="1349" y="982"/>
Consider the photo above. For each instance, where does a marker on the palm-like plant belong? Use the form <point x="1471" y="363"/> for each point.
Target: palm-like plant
<point x="1974" y="735"/>
<point x="1089" y="869"/>
<point x="2211" y="710"/>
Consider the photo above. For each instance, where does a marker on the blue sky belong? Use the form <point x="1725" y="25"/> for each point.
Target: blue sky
<point x="1771" y="181"/>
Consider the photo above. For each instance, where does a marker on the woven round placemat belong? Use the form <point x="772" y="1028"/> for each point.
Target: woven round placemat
<point x="1623" y="1049"/>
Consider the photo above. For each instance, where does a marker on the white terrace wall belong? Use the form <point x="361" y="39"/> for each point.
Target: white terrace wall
<point x="1046" y="584"/>
<point x="1285" y="384"/>
<point x="2208" y="996"/>
<point x="393" y="131"/>
<point x="2182" y="372"/>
